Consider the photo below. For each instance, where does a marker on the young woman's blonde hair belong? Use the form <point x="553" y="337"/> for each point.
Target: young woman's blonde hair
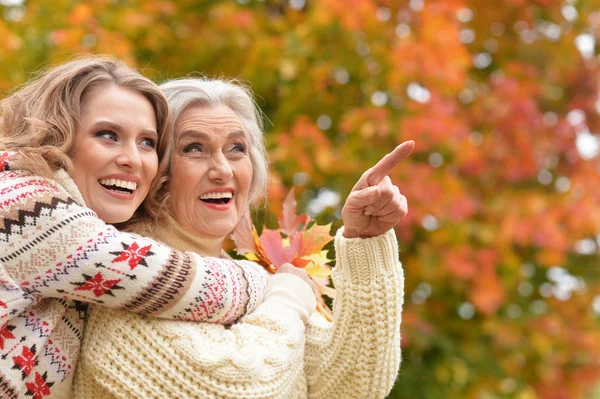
<point x="38" y="122"/>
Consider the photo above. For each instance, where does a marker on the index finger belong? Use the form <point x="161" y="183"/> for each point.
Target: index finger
<point x="389" y="162"/>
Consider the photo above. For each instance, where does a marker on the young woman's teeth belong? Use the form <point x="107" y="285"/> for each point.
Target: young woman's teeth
<point x="117" y="184"/>
<point x="217" y="197"/>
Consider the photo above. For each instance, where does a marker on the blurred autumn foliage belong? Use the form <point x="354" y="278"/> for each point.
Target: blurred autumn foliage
<point x="500" y="248"/>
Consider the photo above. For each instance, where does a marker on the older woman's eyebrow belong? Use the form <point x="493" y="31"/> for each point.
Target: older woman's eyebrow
<point x="194" y="134"/>
<point x="237" y="133"/>
<point x="205" y="136"/>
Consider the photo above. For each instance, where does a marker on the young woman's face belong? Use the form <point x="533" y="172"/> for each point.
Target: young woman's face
<point x="114" y="153"/>
<point x="211" y="171"/>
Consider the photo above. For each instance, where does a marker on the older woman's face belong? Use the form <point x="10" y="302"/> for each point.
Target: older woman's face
<point x="211" y="171"/>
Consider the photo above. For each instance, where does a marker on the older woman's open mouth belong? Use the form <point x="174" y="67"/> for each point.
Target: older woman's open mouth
<point x="217" y="197"/>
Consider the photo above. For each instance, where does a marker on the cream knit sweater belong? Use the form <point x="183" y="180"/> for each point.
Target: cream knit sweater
<point x="267" y="354"/>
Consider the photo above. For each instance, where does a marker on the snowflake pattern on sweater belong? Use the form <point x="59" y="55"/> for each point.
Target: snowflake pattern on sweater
<point x="56" y="256"/>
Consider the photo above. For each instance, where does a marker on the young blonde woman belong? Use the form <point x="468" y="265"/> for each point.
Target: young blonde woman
<point x="80" y="147"/>
<point x="210" y="175"/>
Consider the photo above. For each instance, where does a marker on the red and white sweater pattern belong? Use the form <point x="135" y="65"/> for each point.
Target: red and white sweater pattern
<point x="56" y="256"/>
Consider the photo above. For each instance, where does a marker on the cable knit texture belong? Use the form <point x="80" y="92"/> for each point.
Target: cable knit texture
<point x="56" y="256"/>
<point x="267" y="354"/>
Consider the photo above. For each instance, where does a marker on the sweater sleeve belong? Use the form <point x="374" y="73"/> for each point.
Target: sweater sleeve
<point x="131" y="356"/>
<point x="358" y="354"/>
<point x="50" y="246"/>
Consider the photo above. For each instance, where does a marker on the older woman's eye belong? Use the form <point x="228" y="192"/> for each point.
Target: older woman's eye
<point x="195" y="147"/>
<point x="107" y="134"/>
<point x="239" y="147"/>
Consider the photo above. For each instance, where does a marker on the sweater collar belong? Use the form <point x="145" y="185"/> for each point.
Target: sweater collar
<point x="173" y="235"/>
<point x="63" y="178"/>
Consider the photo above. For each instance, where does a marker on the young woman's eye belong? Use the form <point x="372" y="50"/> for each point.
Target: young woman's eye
<point x="107" y="134"/>
<point x="148" y="142"/>
<point x="194" y="147"/>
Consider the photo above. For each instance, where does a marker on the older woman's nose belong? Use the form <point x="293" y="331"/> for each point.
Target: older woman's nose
<point x="220" y="168"/>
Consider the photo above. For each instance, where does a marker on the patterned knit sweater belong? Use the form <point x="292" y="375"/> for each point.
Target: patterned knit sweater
<point x="268" y="353"/>
<point x="56" y="256"/>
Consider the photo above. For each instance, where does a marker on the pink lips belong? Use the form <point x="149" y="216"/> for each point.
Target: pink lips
<point x="217" y="207"/>
<point x="121" y="196"/>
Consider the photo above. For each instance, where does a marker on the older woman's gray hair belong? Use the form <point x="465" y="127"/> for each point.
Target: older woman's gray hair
<point x="184" y="93"/>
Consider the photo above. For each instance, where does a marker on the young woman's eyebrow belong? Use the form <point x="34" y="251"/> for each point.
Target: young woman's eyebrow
<point x="103" y="124"/>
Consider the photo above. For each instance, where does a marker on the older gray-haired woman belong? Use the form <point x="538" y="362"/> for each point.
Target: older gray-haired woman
<point x="215" y="169"/>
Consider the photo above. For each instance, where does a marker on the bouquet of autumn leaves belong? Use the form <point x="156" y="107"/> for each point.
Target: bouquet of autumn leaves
<point x="298" y="240"/>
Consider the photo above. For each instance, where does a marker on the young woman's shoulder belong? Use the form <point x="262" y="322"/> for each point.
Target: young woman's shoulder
<point x="17" y="185"/>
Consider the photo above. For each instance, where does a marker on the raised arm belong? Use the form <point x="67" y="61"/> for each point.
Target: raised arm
<point x="358" y="354"/>
<point x="50" y="246"/>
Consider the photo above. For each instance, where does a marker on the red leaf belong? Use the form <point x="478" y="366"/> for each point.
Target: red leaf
<point x="289" y="222"/>
<point x="272" y="244"/>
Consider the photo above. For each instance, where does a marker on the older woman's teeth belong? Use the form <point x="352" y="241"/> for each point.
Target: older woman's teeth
<point x="217" y="197"/>
<point x="117" y="184"/>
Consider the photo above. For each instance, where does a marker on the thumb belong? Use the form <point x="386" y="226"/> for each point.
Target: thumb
<point x="365" y="197"/>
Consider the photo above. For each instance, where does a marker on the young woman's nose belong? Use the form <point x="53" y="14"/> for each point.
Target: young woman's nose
<point x="129" y="156"/>
<point x="220" y="169"/>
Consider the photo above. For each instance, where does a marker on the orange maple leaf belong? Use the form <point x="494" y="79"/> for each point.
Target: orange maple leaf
<point x="314" y="239"/>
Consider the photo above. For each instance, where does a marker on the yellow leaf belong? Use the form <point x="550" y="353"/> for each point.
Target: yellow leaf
<point x="318" y="268"/>
<point x="319" y="259"/>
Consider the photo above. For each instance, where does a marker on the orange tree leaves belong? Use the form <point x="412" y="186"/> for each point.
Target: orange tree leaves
<point x="500" y="246"/>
